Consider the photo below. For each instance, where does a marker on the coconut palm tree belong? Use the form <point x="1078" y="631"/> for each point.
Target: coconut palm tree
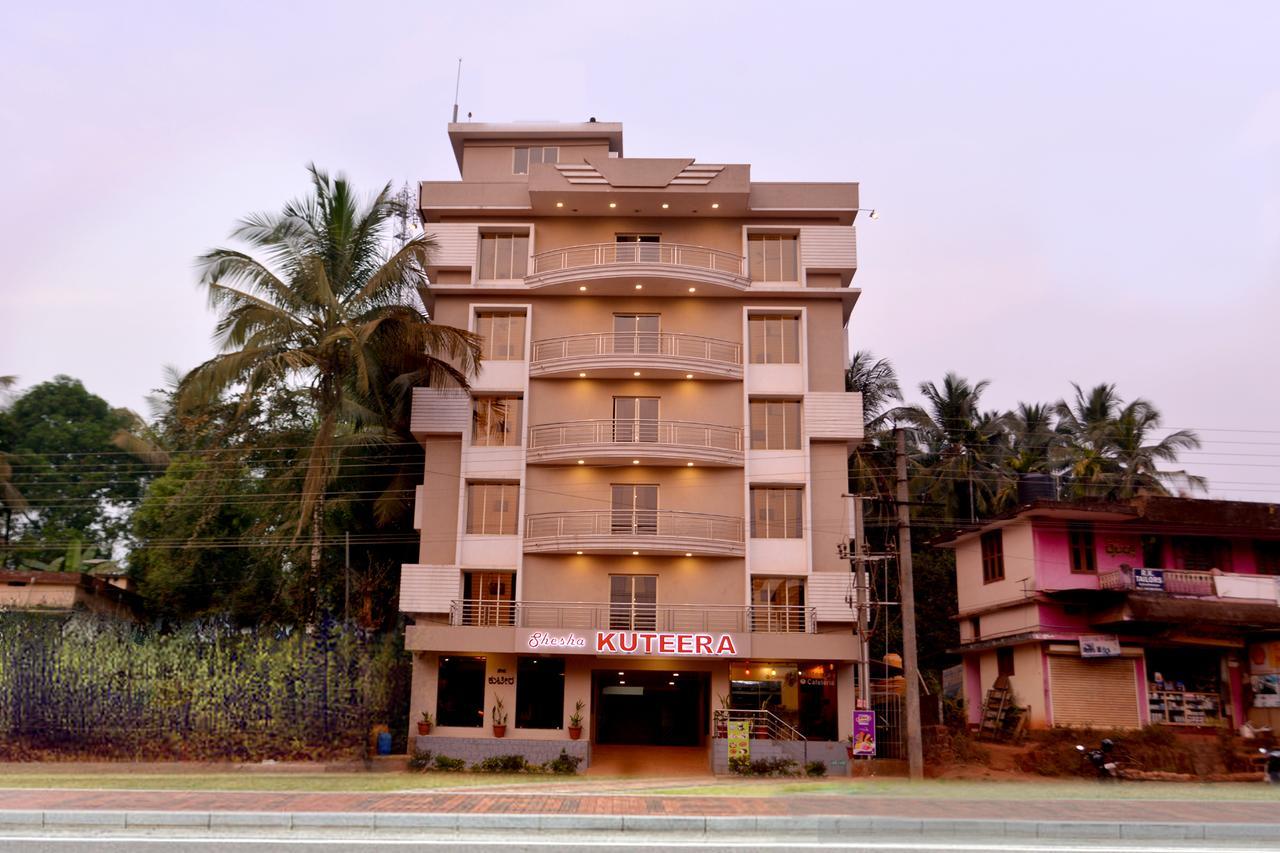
<point x="322" y="304"/>
<point x="876" y="380"/>
<point x="871" y="464"/>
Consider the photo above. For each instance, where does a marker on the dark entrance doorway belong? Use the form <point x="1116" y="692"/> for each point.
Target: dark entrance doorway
<point x="651" y="707"/>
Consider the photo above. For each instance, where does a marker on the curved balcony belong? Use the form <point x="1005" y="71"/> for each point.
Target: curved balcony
<point x="644" y="532"/>
<point x="620" y="355"/>
<point x="625" y="442"/>
<point x="669" y="267"/>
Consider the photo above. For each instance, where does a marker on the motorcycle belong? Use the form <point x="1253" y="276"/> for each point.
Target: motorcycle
<point x="1104" y="765"/>
<point x="1271" y="770"/>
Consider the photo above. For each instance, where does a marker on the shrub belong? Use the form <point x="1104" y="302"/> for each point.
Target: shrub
<point x="774" y="767"/>
<point x="815" y="768"/>
<point x="565" y="764"/>
<point x="420" y="760"/>
<point x="740" y="765"/>
<point x="444" y="762"/>
<point x="503" y="764"/>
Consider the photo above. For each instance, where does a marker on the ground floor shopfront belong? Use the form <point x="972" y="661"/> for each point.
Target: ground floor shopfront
<point x="626" y="689"/>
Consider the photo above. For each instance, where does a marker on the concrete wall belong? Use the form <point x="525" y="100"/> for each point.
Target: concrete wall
<point x="474" y="750"/>
<point x="1019" y="565"/>
<point x="440" y="489"/>
<point x="1029" y="680"/>
<point x="831" y="753"/>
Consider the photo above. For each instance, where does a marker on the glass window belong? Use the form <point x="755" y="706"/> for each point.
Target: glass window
<point x="492" y="508"/>
<point x="502" y="333"/>
<point x="1201" y="553"/>
<point x="1267" y="554"/>
<point x="525" y="155"/>
<point x="1080" y="543"/>
<point x="635" y="510"/>
<point x="520" y="162"/>
<point x="490" y="598"/>
<point x="774" y="338"/>
<point x="503" y="256"/>
<point x="772" y="257"/>
<point x="1004" y="661"/>
<point x="777" y="604"/>
<point x="635" y="333"/>
<point x="495" y="421"/>
<point x="775" y="424"/>
<point x="460" y="692"/>
<point x="635" y="419"/>
<point x="992" y="556"/>
<point x="540" y="693"/>
<point x="776" y="513"/>
<point x="633" y="602"/>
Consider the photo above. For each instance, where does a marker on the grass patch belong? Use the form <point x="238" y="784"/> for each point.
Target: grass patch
<point x="258" y="781"/>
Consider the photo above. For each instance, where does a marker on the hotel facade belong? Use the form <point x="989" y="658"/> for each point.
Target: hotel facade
<point x="630" y="524"/>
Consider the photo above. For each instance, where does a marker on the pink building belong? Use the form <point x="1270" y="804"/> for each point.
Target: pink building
<point x="1155" y="610"/>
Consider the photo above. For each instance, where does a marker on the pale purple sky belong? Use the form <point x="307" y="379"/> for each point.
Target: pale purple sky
<point x="1085" y="192"/>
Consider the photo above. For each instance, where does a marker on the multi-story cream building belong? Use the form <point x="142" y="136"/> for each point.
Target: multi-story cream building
<point x="638" y="505"/>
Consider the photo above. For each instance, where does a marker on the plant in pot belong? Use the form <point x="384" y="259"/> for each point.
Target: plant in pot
<point x="575" y="721"/>
<point x="499" y="718"/>
<point x="424" y="724"/>
<point x="722" y="717"/>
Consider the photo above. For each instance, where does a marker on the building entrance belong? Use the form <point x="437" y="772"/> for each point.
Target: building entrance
<point x="651" y="707"/>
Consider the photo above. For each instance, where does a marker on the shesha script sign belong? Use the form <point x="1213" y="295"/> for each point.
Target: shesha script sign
<point x="632" y="643"/>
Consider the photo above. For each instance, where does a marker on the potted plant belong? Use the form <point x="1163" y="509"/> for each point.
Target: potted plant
<point x="848" y="746"/>
<point x="499" y="718"/>
<point x="575" y="721"/>
<point x="424" y="724"/>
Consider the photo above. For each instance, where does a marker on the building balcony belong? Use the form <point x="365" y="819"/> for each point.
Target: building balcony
<point x="625" y="442"/>
<point x="1192" y="583"/>
<point x="646" y="532"/>
<point x="656" y="355"/>
<point x="1160" y="599"/>
<point x="580" y="615"/>
<point x="665" y="268"/>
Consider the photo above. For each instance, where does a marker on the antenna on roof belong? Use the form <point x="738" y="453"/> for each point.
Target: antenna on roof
<point x="457" y="84"/>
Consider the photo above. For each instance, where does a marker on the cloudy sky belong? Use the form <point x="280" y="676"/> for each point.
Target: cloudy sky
<point x="1090" y="194"/>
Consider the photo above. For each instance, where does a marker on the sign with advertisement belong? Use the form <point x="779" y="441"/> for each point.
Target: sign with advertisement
<point x="864" y="734"/>
<point x="657" y="643"/>
<point x="1266" y="690"/>
<point x="1099" y="646"/>
<point x="740" y="739"/>
<point x="1264" y="658"/>
<point x="1148" y="580"/>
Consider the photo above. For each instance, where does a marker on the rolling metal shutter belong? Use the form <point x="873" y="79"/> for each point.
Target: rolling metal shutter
<point x="1099" y="693"/>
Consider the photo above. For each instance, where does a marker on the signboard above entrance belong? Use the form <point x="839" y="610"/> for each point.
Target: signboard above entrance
<point x="1099" y="646"/>
<point x="653" y="643"/>
<point x="1148" y="579"/>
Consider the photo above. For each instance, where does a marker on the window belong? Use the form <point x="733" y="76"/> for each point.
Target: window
<point x="633" y="602"/>
<point x="637" y="249"/>
<point x="635" y="333"/>
<point x="774" y="338"/>
<point x="1084" y="558"/>
<point x="1267" y="555"/>
<point x="540" y="693"/>
<point x="492" y="508"/>
<point x="495" y="421"/>
<point x="975" y="627"/>
<point x="635" y="419"/>
<point x="772" y="257"/>
<point x="460" y="692"/>
<point x="522" y="157"/>
<point x="1153" y="552"/>
<point x="1004" y="661"/>
<point x="993" y="556"/>
<point x="1201" y="553"/>
<point x="635" y="510"/>
<point x="502" y="333"/>
<point x="490" y="598"/>
<point x="503" y="256"/>
<point x="777" y="604"/>
<point x="775" y="424"/>
<point x="776" y="513"/>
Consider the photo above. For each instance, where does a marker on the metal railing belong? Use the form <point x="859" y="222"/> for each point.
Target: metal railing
<point x="590" y="615"/>
<point x="661" y="254"/>
<point x="670" y="524"/>
<point x="636" y="431"/>
<point x="764" y="724"/>
<point x="1174" y="582"/>
<point x="674" y="346"/>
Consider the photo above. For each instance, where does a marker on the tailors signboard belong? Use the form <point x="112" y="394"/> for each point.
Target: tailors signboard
<point x="1099" y="646"/>
<point x="650" y="643"/>
<point x="1148" y="579"/>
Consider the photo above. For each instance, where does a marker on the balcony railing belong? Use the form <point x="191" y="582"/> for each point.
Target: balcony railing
<point x="640" y="433"/>
<point x="761" y="724"/>
<point x="627" y="527"/>
<point x="633" y="617"/>
<point x="658" y="254"/>
<point x="647" y="345"/>
<point x="1171" y="581"/>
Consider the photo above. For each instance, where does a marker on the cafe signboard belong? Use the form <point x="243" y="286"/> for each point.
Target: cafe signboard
<point x="647" y="643"/>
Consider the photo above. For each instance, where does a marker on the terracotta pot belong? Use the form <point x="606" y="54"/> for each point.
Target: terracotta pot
<point x="575" y="732"/>
<point x="424" y="728"/>
<point x="499" y="731"/>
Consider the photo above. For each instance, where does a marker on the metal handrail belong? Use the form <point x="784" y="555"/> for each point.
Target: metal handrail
<point x="663" y="254"/>
<point x="761" y="721"/>
<point x="672" y="345"/>
<point x="635" y="616"/>
<point x="636" y="431"/>
<point x="634" y="522"/>
<point x="1176" y="581"/>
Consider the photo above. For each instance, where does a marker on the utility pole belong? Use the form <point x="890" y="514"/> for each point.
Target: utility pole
<point x="346" y="583"/>
<point x="911" y="671"/>
<point x="858" y="557"/>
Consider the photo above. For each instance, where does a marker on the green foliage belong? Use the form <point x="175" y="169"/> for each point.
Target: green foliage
<point x="420" y="760"/>
<point x="564" y="764"/>
<point x="740" y="764"/>
<point x="815" y="768"/>
<point x="451" y="765"/>
<point x="76" y="686"/>
<point x="766" y="766"/>
<point x="514" y="763"/>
